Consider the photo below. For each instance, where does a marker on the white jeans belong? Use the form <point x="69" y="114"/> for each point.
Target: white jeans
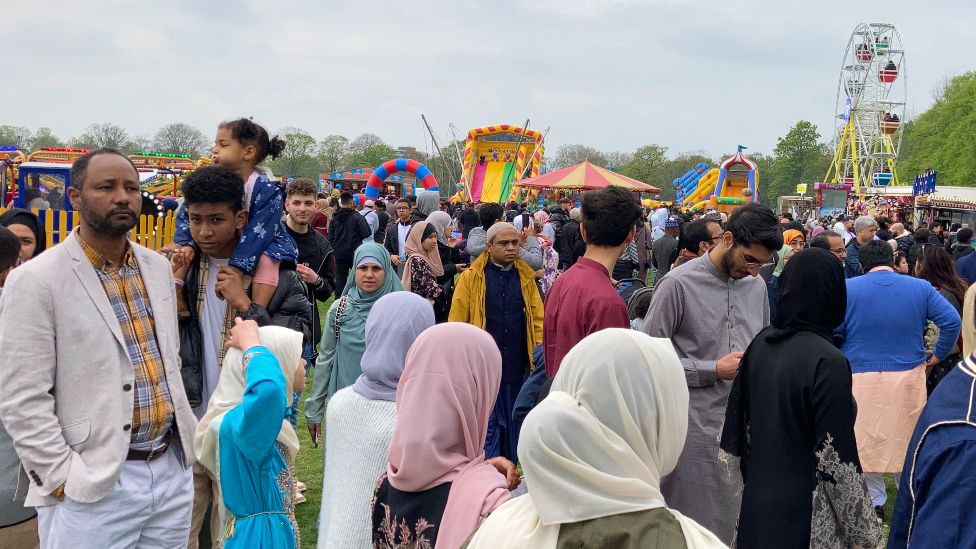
<point x="149" y="507"/>
<point x="876" y="488"/>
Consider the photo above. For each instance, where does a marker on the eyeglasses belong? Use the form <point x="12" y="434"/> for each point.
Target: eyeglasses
<point x="751" y="263"/>
<point x="757" y="265"/>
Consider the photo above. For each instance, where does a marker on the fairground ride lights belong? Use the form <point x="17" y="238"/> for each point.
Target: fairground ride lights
<point x="63" y="149"/>
<point x="164" y="155"/>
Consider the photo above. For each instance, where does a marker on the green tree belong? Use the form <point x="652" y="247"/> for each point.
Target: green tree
<point x="44" y="138"/>
<point x="299" y="158"/>
<point x="368" y="151"/>
<point x="16" y="136"/>
<point x="616" y="160"/>
<point x="180" y="138"/>
<point x="569" y="155"/>
<point x="103" y="135"/>
<point x="137" y="144"/>
<point x="800" y="158"/>
<point x="943" y="136"/>
<point x="332" y="152"/>
<point x="648" y="164"/>
<point x="764" y="165"/>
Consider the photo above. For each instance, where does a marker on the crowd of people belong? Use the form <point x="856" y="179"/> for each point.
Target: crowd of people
<point x="480" y="380"/>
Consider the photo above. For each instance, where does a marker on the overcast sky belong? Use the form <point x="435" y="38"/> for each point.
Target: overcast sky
<point x="613" y="74"/>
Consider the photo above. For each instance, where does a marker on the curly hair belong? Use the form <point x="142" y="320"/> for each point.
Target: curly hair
<point x="214" y="185"/>
<point x="303" y="187"/>
<point x="246" y="132"/>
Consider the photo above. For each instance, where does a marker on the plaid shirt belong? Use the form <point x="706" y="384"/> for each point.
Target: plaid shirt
<point x="152" y="410"/>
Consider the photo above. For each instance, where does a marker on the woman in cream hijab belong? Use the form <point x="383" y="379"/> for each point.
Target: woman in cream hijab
<point x="245" y="441"/>
<point x="595" y="450"/>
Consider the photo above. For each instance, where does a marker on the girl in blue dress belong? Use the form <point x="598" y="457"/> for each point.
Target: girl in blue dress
<point x="245" y="440"/>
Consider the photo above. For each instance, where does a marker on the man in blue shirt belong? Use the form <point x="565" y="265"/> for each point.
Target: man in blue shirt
<point x="883" y="338"/>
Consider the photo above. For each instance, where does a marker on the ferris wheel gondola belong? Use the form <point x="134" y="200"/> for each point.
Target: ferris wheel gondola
<point x="870" y="108"/>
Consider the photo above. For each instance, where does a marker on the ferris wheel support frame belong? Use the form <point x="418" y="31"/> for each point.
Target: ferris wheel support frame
<point x="865" y="143"/>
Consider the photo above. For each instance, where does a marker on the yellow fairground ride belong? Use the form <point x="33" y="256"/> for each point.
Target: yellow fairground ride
<point x="162" y="173"/>
<point x="870" y="109"/>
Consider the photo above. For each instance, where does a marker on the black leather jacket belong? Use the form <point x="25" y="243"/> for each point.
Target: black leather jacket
<point x="289" y="307"/>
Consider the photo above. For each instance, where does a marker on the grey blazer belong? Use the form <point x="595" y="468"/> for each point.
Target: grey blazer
<point x="65" y="378"/>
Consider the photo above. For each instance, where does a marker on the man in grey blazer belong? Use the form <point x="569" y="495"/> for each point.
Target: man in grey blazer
<point x="90" y="386"/>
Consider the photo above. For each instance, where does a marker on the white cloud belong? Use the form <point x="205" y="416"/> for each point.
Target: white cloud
<point x="614" y="74"/>
<point x="589" y="8"/>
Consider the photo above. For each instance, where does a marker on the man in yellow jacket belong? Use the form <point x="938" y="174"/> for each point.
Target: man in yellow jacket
<point x="498" y="294"/>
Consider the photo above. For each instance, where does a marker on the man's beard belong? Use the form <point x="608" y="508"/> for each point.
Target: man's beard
<point x="727" y="261"/>
<point x="105" y="225"/>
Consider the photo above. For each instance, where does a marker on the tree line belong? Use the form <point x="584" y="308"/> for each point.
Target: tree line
<point x="942" y="138"/>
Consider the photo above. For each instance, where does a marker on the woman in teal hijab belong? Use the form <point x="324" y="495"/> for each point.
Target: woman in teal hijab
<point x="344" y="332"/>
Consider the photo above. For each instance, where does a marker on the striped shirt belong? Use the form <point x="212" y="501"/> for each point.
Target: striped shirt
<point x="152" y="409"/>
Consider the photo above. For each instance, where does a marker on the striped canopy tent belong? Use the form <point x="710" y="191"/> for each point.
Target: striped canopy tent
<point x="585" y="176"/>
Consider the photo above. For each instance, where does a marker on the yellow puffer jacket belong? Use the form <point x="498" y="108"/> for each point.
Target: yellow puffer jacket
<point x="469" y="299"/>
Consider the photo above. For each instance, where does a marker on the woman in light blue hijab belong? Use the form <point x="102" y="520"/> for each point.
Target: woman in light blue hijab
<point x="344" y="333"/>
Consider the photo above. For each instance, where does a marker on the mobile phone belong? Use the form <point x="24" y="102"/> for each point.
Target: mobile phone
<point x="525" y="221"/>
<point x="456" y="235"/>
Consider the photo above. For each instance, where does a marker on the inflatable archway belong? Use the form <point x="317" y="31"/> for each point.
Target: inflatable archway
<point x="375" y="183"/>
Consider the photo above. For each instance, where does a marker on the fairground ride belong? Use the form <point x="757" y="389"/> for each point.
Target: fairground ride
<point x="870" y="109"/>
<point x="496" y="157"/>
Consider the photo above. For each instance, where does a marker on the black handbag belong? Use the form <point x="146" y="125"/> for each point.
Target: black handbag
<point x="940" y="370"/>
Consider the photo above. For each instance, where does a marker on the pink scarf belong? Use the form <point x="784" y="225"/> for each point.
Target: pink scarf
<point x="443" y="404"/>
<point x="415" y="247"/>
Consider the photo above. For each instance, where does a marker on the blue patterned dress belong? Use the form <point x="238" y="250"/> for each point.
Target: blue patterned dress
<point x="256" y="480"/>
<point x="264" y="232"/>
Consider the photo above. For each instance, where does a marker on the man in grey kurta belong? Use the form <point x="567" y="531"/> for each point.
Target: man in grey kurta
<point x="710" y="308"/>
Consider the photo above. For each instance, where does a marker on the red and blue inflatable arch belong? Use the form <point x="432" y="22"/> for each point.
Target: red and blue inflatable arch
<point x="375" y="183"/>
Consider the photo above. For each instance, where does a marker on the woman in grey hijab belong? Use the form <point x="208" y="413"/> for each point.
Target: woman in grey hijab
<point x="428" y="202"/>
<point x="361" y="419"/>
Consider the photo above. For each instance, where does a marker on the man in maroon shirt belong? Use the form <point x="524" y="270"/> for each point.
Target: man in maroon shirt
<point x="583" y="299"/>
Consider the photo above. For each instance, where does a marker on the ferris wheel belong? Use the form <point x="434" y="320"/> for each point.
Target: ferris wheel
<point x="870" y="109"/>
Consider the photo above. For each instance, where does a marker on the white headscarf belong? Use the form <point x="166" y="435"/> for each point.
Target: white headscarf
<point x="286" y="346"/>
<point x="613" y="425"/>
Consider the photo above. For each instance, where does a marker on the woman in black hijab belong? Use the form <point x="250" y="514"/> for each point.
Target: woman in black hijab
<point x="790" y="419"/>
<point x="25" y="225"/>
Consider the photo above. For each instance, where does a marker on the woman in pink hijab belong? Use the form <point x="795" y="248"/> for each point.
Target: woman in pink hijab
<point x="438" y="487"/>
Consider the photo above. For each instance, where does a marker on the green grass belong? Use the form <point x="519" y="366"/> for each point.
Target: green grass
<point x="308" y="465"/>
<point x="308" y="469"/>
<point x="891" y="483"/>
